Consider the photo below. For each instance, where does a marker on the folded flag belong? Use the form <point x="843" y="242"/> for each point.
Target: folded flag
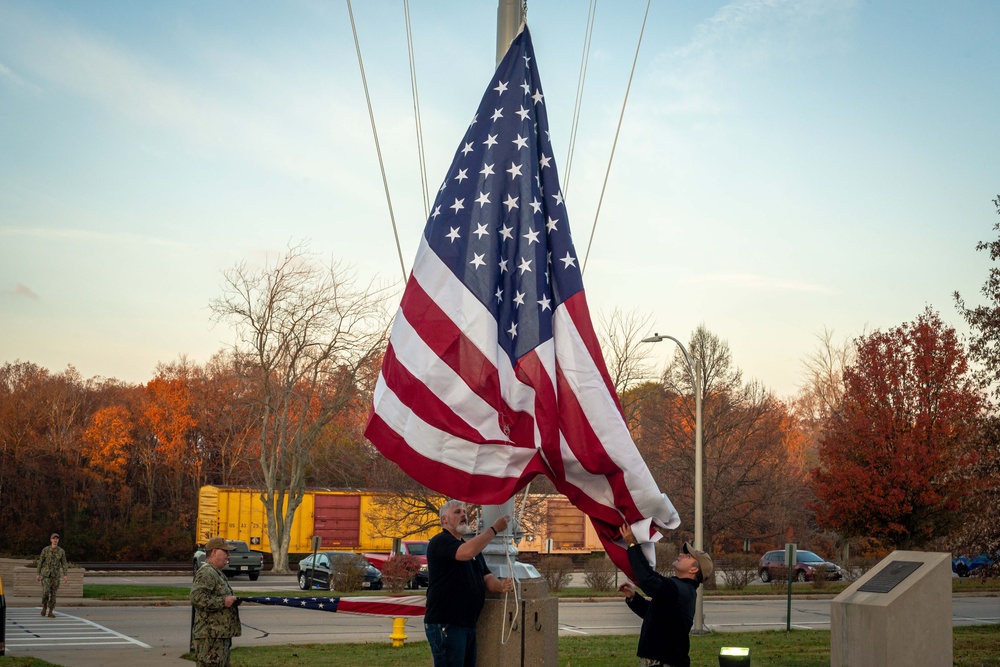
<point x="390" y="605"/>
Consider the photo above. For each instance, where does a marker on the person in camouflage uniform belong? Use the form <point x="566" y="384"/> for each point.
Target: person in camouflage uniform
<point x="51" y="564"/>
<point x="216" y="617"/>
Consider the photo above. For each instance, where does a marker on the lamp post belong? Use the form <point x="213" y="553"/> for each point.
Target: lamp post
<point x="694" y="367"/>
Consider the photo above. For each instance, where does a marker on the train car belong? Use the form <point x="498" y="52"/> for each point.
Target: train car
<point x="349" y="520"/>
<point x="345" y="520"/>
<point x="552" y="525"/>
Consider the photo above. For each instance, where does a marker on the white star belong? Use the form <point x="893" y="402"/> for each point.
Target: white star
<point x="453" y="234"/>
<point x="513" y="330"/>
<point x="436" y="213"/>
<point x="491" y="140"/>
<point x="520" y="142"/>
<point x="467" y="148"/>
<point x="544" y="160"/>
<point x="483" y="199"/>
<point x="458" y="205"/>
<point x="497" y="114"/>
<point x="515" y="170"/>
<point x="545" y="303"/>
<point x="519" y="299"/>
<point x="536" y="206"/>
<point x="527" y="88"/>
<point x="477" y="260"/>
<point x="537" y="96"/>
<point x="501" y="87"/>
<point x="499" y="295"/>
<point x="443" y="186"/>
<point x="462" y="175"/>
<point x="487" y="170"/>
<point x="568" y="260"/>
<point x="481" y="230"/>
<point x="503" y="266"/>
<point x="511" y="203"/>
<point x="532" y="236"/>
<point x="559" y="198"/>
<point x="476" y="117"/>
<point x="523" y="113"/>
<point x="526" y="60"/>
<point x="505" y="232"/>
<point x="524" y="266"/>
<point x="551" y="224"/>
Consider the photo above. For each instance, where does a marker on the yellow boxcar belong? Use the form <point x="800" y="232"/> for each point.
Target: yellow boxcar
<point x="345" y="520"/>
<point x="552" y="525"/>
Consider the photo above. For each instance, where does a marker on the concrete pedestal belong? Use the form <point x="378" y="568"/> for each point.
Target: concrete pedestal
<point x="534" y="640"/>
<point x="899" y="613"/>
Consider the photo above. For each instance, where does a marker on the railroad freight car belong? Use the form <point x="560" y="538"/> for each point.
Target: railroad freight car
<point x="552" y="525"/>
<point x="346" y="520"/>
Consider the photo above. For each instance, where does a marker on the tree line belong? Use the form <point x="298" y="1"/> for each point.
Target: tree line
<point x="892" y="442"/>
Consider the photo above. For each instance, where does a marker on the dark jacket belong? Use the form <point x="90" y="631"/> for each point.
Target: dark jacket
<point x="668" y="614"/>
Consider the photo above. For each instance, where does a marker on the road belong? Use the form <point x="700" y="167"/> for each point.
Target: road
<point x="89" y="636"/>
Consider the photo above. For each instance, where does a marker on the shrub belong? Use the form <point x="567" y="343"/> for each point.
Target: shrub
<point x="738" y="570"/>
<point x="399" y="570"/>
<point x="856" y="568"/>
<point x="599" y="574"/>
<point x="348" y="576"/>
<point x="557" y="571"/>
<point x="820" y="577"/>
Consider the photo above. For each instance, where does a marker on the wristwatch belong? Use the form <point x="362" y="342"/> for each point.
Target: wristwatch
<point x="631" y="544"/>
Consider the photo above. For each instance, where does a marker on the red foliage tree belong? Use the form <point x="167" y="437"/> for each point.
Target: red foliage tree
<point x="890" y="458"/>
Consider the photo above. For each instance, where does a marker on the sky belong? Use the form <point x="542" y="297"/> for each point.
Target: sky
<point x="782" y="166"/>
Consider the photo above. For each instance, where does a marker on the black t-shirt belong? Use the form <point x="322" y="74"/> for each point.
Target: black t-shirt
<point x="456" y="589"/>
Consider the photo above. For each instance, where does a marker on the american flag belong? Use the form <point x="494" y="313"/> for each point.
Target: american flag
<point x="391" y="605"/>
<point x="493" y="372"/>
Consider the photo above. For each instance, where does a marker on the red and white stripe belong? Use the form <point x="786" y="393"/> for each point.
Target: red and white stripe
<point x="457" y="417"/>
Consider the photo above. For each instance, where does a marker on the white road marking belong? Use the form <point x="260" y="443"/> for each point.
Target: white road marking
<point x="27" y="629"/>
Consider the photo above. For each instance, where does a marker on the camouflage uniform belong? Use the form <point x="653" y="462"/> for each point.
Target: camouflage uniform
<point x="214" y="624"/>
<point x="51" y="567"/>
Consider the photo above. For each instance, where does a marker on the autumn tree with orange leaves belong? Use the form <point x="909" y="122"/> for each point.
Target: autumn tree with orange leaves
<point x="891" y="457"/>
<point x="753" y="477"/>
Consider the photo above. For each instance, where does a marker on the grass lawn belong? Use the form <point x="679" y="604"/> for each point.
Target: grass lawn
<point x="974" y="646"/>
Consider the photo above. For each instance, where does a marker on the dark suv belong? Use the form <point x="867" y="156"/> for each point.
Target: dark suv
<point x="772" y="566"/>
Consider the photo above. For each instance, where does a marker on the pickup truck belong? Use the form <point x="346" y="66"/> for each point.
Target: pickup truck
<point x="241" y="560"/>
<point x="417" y="548"/>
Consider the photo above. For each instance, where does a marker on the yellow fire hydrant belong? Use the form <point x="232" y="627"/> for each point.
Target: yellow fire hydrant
<point x="398" y="635"/>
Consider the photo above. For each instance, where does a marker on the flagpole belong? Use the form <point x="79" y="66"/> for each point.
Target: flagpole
<point x="501" y="549"/>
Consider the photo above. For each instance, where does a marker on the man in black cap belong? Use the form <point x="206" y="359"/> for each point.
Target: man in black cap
<point x="668" y="614"/>
<point x="216" y="617"/>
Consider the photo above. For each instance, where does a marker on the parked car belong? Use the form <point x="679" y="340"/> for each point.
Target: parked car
<point x="242" y="560"/>
<point x="323" y="568"/>
<point x="772" y="566"/>
<point x="963" y="566"/>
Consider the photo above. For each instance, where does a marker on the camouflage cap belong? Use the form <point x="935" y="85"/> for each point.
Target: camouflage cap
<point x="218" y="543"/>
<point x="55" y="535"/>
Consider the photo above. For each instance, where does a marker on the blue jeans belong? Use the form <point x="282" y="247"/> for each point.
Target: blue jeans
<point x="451" y="645"/>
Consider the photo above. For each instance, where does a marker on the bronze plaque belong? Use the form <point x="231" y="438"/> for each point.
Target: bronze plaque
<point x="889" y="576"/>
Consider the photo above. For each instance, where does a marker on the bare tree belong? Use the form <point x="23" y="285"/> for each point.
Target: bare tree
<point x="304" y="332"/>
<point x="626" y="356"/>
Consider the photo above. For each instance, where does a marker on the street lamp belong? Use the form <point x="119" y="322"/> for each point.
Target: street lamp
<point x="694" y="367"/>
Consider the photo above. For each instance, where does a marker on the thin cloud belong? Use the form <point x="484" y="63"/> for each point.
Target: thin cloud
<point x="20" y="290"/>
<point x="751" y="281"/>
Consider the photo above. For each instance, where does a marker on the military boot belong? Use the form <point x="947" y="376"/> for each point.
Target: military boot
<point x="43" y="610"/>
<point x="51" y="615"/>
